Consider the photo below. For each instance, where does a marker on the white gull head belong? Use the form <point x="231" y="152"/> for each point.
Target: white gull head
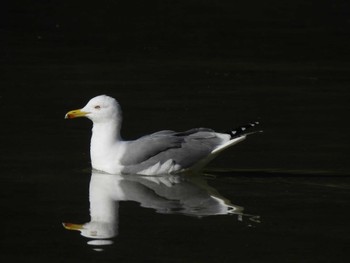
<point x="99" y="109"/>
<point x="105" y="148"/>
<point x="102" y="109"/>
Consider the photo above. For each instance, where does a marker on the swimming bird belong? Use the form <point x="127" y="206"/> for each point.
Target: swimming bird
<point x="163" y="152"/>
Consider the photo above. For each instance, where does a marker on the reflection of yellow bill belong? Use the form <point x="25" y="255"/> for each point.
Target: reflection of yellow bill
<point x="71" y="226"/>
<point x="75" y="114"/>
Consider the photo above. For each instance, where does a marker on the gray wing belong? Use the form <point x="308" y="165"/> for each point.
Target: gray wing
<point x="184" y="148"/>
<point x="146" y="147"/>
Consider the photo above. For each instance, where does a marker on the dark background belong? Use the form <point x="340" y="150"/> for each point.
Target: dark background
<point x="288" y="31"/>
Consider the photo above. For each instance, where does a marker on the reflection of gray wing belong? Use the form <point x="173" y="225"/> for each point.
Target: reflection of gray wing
<point x="187" y="195"/>
<point x="184" y="148"/>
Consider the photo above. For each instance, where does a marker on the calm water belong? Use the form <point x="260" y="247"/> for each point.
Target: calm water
<point x="242" y="216"/>
<point x="280" y="196"/>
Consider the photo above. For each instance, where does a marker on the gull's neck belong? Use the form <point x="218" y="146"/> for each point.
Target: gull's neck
<point x="106" y="132"/>
<point x="104" y="140"/>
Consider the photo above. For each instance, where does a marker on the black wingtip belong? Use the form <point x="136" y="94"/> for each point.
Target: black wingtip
<point x="241" y="130"/>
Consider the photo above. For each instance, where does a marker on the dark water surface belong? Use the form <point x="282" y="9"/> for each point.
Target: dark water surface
<point x="280" y="196"/>
<point x="274" y="218"/>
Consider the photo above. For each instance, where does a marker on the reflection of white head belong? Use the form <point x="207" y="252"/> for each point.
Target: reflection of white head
<point x="104" y="194"/>
<point x="94" y="229"/>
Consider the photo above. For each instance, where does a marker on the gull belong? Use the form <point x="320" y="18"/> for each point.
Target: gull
<point x="163" y="152"/>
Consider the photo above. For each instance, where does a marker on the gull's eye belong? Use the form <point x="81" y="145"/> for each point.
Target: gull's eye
<point x="97" y="107"/>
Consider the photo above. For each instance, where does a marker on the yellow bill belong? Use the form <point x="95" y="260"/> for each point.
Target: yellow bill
<point x="75" y="114"/>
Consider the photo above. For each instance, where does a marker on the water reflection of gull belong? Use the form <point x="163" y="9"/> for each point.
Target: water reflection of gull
<point x="170" y="194"/>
